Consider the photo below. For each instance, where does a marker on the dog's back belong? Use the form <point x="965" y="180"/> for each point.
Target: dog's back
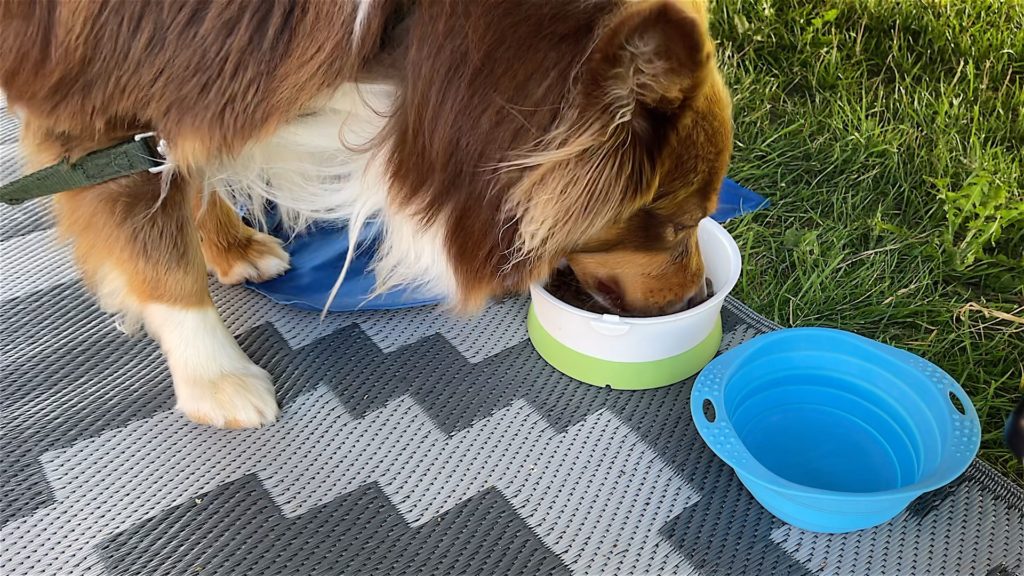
<point x="211" y="75"/>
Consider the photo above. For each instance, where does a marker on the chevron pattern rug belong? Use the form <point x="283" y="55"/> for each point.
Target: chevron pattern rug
<point x="410" y="443"/>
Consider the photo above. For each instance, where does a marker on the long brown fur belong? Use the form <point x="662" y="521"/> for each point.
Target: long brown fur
<point x="596" y="131"/>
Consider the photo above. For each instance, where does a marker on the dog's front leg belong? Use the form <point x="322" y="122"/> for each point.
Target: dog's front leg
<point x="139" y="250"/>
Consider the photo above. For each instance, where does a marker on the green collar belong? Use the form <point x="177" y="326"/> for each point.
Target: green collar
<point x="141" y="154"/>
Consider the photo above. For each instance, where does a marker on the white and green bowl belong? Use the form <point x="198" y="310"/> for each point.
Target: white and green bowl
<point x="638" y="353"/>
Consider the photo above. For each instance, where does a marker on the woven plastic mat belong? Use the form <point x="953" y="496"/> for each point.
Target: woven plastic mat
<point x="410" y="443"/>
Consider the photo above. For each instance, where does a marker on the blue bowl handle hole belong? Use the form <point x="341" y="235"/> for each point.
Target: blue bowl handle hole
<point x="709" y="410"/>
<point x="958" y="404"/>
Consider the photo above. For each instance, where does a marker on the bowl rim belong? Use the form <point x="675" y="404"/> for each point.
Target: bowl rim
<point x="751" y="468"/>
<point x="713" y="303"/>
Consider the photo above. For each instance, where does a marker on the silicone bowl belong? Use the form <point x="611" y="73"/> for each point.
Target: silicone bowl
<point x="638" y="353"/>
<point x="833" y="432"/>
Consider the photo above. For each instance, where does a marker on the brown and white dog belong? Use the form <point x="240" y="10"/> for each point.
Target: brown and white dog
<point x="493" y="139"/>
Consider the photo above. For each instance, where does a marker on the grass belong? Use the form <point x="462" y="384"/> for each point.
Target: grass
<point x="890" y="138"/>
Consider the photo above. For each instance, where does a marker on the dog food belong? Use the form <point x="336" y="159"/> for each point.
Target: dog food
<point x="566" y="287"/>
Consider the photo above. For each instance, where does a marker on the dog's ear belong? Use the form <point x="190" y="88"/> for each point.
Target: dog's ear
<point x="598" y="165"/>
<point x="652" y="56"/>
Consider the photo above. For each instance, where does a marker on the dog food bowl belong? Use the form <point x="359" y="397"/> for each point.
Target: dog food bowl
<point x="833" y="432"/>
<point x="638" y="353"/>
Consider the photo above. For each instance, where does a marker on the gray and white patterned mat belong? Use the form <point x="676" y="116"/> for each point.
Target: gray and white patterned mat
<point x="410" y="443"/>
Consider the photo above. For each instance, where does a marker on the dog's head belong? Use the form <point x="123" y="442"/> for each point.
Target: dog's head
<point x="621" y="184"/>
<point x="596" y="131"/>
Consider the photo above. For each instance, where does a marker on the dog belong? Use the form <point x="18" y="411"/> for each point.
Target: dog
<point x="493" y="140"/>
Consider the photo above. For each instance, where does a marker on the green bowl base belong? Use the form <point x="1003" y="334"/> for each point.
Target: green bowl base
<point x="623" y="375"/>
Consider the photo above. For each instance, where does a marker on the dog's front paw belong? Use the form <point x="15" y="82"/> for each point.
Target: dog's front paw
<point x="259" y="257"/>
<point x="239" y="399"/>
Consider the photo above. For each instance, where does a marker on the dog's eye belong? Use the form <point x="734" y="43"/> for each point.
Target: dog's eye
<point x="679" y="228"/>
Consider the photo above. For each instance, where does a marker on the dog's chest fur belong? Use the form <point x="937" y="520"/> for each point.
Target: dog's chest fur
<point x="331" y="165"/>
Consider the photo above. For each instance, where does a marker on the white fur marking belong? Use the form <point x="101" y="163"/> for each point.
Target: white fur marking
<point x="312" y="167"/>
<point x="262" y="268"/>
<point x="362" y="13"/>
<point x="331" y="165"/>
<point x="214" y="381"/>
<point x="414" y="255"/>
<point x="271" y="263"/>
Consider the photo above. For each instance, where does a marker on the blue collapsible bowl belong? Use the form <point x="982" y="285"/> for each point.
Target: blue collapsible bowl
<point x="833" y="432"/>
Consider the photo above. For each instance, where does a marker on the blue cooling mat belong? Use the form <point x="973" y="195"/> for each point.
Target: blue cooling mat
<point x="318" y="255"/>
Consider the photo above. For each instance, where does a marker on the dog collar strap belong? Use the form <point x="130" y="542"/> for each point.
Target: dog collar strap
<point x="141" y="154"/>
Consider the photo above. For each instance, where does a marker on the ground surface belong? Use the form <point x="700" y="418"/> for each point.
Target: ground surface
<point x="890" y="136"/>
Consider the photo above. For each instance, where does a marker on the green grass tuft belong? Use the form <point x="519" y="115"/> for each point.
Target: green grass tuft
<point x="890" y="137"/>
